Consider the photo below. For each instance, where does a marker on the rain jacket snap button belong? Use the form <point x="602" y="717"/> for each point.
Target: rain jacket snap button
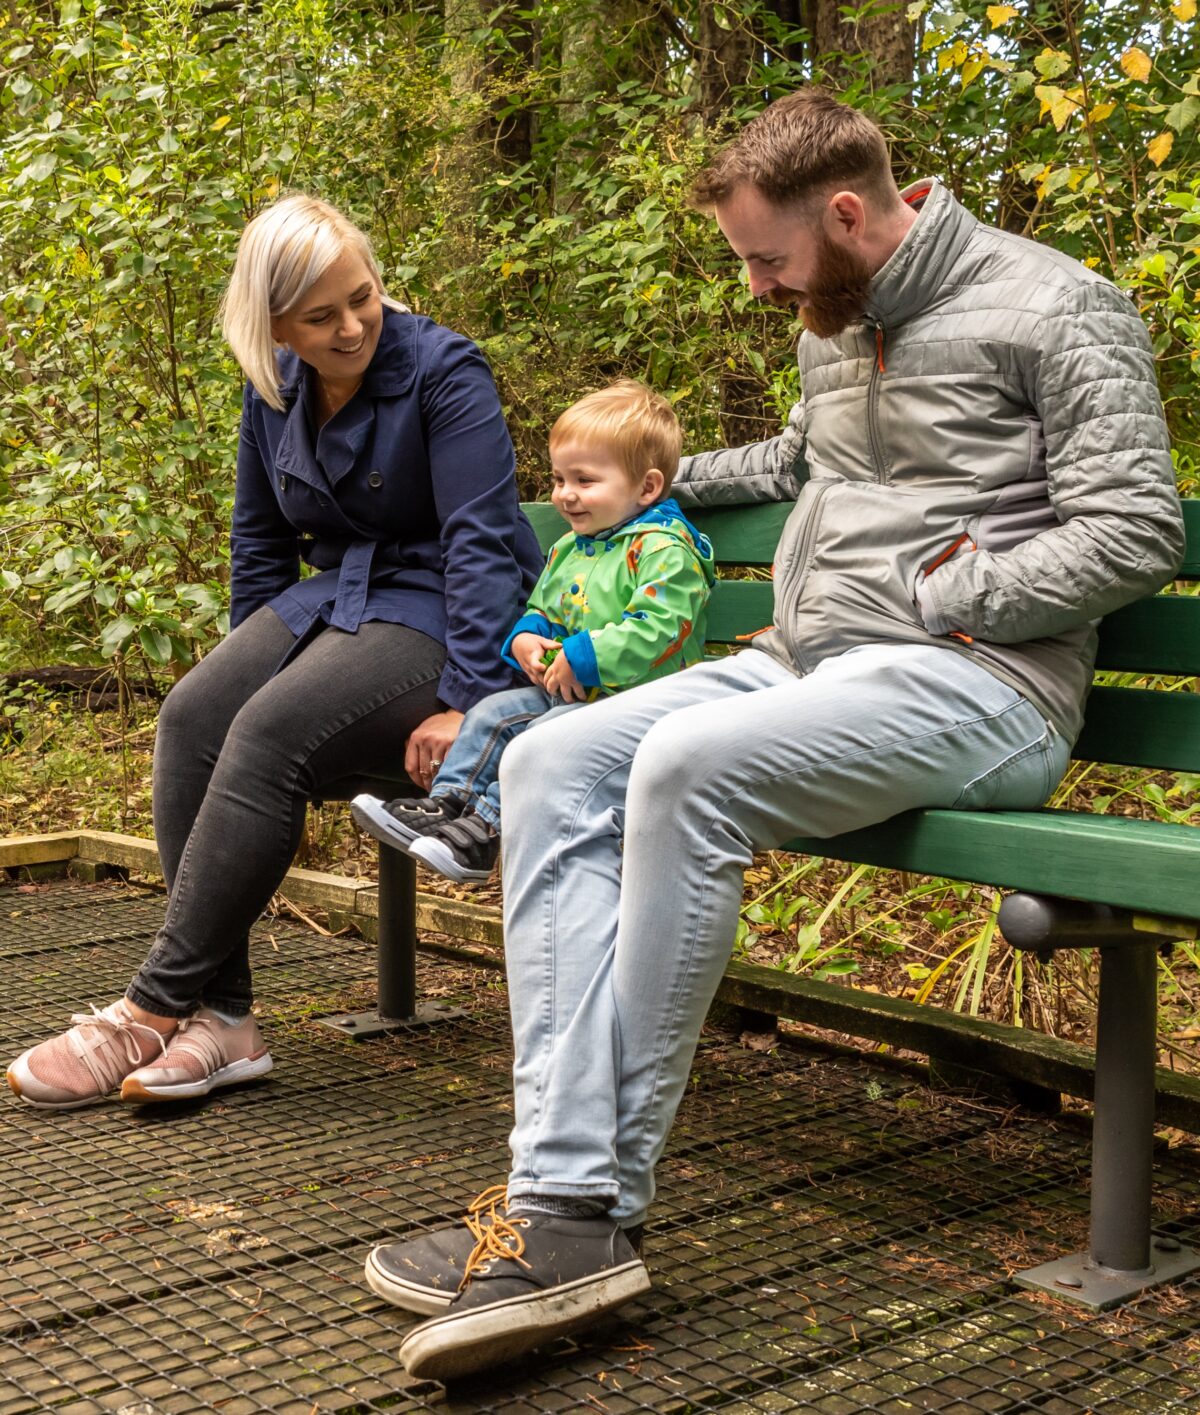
<point x="375" y="480"/>
<point x="283" y="483"/>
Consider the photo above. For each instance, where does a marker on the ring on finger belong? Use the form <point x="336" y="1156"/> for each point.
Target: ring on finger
<point x="434" y="764"/>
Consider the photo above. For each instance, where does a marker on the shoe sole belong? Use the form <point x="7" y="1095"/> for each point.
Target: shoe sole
<point x="426" y="1301"/>
<point x="15" y="1085"/>
<point x="460" y="1344"/>
<point x="233" y="1074"/>
<point x="378" y="821"/>
<point x="440" y="857"/>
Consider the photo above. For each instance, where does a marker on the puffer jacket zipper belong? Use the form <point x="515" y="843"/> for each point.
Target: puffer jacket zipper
<point x="877" y="368"/>
<point x="791" y="586"/>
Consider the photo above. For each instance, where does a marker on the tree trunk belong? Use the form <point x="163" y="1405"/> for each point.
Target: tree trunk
<point x="878" y="31"/>
<point x="726" y="52"/>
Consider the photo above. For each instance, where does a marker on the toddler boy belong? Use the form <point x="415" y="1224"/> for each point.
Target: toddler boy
<point x="620" y="602"/>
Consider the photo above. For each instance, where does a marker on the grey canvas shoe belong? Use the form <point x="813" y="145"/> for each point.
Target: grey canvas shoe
<point x="564" y="1274"/>
<point x="397" y="822"/>
<point x="424" y="1274"/>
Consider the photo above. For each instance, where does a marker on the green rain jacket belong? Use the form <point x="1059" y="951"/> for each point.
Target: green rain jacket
<point x="628" y="604"/>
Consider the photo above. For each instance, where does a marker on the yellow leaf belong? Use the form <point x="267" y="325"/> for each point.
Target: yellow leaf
<point x="1102" y="112"/>
<point x="1185" y="11"/>
<point x="1136" y="63"/>
<point x="1001" y="14"/>
<point x="222" y="122"/>
<point x="972" y="69"/>
<point x="1159" y="149"/>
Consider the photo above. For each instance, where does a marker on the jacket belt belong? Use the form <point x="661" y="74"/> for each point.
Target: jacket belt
<point x="354" y="577"/>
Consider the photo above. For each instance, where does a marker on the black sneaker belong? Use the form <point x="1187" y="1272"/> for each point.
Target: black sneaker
<point x="397" y="822"/>
<point x="462" y="849"/>
<point x="562" y="1274"/>
<point x="425" y="1274"/>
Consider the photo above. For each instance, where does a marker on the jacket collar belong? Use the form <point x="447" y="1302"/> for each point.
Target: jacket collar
<point x="922" y="262"/>
<point x="390" y="373"/>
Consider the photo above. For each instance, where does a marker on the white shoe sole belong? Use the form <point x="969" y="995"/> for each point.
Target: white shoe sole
<point x="428" y="1302"/>
<point x="237" y="1071"/>
<point x="461" y="1343"/>
<point x="374" y="817"/>
<point x="440" y="857"/>
<point x="21" y="1081"/>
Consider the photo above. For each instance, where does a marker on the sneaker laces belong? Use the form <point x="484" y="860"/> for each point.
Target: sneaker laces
<point x="101" y="1054"/>
<point x="198" y="1037"/>
<point x="495" y="1235"/>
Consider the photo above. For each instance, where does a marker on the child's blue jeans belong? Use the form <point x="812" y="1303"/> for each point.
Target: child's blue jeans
<point x="471" y="770"/>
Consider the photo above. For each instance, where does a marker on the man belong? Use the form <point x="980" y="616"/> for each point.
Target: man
<point x="988" y="475"/>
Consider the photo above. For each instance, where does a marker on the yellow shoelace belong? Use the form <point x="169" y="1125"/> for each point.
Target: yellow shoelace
<point x="496" y="1236"/>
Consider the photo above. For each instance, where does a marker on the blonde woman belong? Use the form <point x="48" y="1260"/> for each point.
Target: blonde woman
<point x="373" y="449"/>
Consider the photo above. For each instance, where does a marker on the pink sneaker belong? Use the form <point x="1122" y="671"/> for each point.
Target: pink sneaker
<point x="203" y="1054"/>
<point x="87" y="1062"/>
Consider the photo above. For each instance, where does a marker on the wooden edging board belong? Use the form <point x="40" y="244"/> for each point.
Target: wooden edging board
<point x="993" y="1048"/>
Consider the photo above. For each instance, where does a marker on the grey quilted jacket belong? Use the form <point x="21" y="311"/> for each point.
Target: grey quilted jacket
<point x="982" y="463"/>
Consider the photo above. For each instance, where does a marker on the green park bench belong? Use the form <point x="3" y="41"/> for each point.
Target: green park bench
<point x="1128" y="887"/>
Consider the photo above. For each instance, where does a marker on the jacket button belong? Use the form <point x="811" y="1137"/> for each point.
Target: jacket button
<point x="283" y="483"/>
<point x="375" y="480"/>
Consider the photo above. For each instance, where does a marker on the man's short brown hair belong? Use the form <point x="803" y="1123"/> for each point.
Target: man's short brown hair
<point x="632" y="422"/>
<point x="798" y="148"/>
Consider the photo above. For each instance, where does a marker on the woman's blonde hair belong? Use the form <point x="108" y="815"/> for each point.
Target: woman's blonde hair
<point x="635" y="424"/>
<point x="282" y="253"/>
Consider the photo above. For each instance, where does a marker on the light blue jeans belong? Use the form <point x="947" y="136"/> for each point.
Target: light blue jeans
<point x="627" y="829"/>
<point x="471" y="770"/>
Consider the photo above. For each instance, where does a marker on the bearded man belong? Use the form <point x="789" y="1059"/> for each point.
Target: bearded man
<point x="981" y="471"/>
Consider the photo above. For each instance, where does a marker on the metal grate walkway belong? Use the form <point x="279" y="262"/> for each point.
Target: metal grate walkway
<point x="829" y="1237"/>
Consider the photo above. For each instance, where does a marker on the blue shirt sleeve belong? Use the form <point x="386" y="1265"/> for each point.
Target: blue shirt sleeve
<point x="473" y="467"/>
<point x="264" y="549"/>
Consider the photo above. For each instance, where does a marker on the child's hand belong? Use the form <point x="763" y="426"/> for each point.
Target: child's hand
<point x="561" y="681"/>
<point x="528" y="649"/>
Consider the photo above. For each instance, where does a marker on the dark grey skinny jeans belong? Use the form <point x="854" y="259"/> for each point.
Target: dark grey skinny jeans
<point x="237" y="756"/>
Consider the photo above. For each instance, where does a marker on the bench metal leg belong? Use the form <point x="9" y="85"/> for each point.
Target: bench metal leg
<point x="1124" y="1257"/>
<point x="396" y="948"/>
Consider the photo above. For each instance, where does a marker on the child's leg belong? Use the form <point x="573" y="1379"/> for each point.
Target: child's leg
<point x="471" y="770"/>
<point x="471" y="767"/>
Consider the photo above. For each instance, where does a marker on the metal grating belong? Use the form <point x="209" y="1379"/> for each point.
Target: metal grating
<point x="829" y="1237"/>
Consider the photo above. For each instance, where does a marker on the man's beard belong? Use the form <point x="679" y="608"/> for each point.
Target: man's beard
<point x="837" y="292"/>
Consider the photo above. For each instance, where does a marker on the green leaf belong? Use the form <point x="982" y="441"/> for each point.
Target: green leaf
<point x="155" y="645"/>
<point x="116" y="635"/>
<point x="1182" y="115"/>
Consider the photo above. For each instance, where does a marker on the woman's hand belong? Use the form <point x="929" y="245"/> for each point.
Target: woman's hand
<point x="428" y="745"/>
<point x="528" y="650"/>
<point x="561" y="681"/>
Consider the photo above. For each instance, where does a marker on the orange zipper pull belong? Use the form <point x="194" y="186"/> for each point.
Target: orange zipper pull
<point x="879" y="348"/>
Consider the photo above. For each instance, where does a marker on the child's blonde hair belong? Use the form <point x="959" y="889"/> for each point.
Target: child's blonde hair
<point x="283" y="252"/>
<point x="636" y="424"/>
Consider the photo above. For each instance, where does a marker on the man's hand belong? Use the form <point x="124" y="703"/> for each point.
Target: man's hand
<point x="528" y="649"/>
<point x="561" y="681"/>
<point x="428" y="745"/>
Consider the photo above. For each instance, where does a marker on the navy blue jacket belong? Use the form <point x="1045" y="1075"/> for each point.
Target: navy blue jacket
<point x="407" y="504"/>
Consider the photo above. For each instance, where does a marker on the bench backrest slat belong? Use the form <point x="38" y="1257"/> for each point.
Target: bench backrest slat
<point x="1157" y="635"/>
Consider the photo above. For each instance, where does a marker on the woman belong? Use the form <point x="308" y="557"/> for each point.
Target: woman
<point x="374" y="449"/>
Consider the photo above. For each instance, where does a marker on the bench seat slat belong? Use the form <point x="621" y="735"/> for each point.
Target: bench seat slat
<point x="1156" y="635"/>
<point x="1148" y="866"/>
<point x="1142" y="727"/>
